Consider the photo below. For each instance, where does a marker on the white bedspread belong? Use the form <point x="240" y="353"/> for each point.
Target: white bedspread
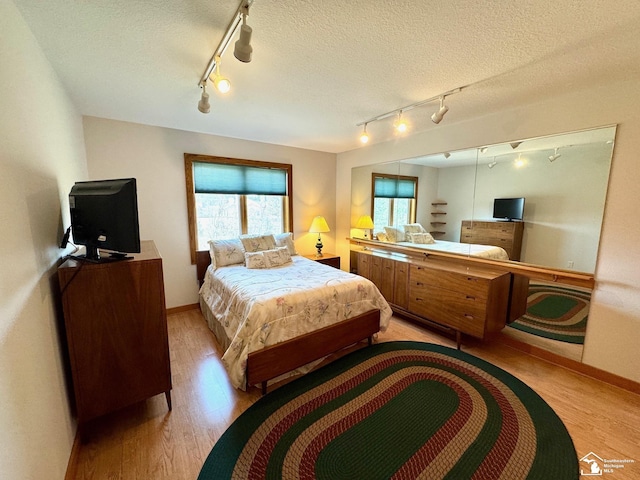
<point x="262" y="307"/>
<point x="483" y="251"/>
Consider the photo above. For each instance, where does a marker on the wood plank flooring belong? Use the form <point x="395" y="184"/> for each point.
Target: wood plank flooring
<point x="146" y="441"/>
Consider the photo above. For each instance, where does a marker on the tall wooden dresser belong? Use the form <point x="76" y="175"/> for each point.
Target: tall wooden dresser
<point x="507" y="235"/>
<point x="116" y="327"/>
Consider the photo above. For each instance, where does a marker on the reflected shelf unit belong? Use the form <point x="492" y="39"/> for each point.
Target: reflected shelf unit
<point x="438" y="216"/>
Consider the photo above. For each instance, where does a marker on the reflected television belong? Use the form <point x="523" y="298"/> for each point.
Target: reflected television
<point x="509" y="209"/>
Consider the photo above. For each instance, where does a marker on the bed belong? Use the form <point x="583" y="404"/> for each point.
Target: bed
<point x="271" y="321"/>
<point x="473" y="249"/>
<point x="414" y="235"/>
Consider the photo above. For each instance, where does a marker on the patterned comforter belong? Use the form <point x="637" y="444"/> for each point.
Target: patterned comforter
<point x="262" y="307"/>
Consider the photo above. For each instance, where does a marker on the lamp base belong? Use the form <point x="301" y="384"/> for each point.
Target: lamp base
<point x="319" y="247"/>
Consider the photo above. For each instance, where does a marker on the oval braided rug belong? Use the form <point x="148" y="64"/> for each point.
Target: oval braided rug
<point x="398" y="410"/>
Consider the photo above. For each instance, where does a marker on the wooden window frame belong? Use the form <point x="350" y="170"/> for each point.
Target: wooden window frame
<point x="191" y="158"/>
<point x="413" y="205"/>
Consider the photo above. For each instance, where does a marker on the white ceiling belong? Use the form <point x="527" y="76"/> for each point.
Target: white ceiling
<point x="320" y="67"/>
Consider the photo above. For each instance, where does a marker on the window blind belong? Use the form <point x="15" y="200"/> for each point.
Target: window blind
<point x="238" y="179"/>
<point x="385" y="187"/>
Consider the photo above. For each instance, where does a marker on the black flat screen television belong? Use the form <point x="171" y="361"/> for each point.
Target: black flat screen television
<point x="104" y="215"/>
<point x="509" y="209"/>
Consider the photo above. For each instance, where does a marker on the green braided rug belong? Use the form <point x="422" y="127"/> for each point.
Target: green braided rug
<point x="555" y="312"/>
<point x="398" y="410"/>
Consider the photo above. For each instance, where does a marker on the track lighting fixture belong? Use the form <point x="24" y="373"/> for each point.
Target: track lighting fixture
<point x="243" y="48"/>
<point x="364" y="138"/>
<point x="493" y="163"/>
<point x="242" y="51"/>
<point x="439" y="115"/>
<point x="222" y="84"/>
<point x="400" y="124"/>
<point x="484" y="149"/>
<point x="515" y="145"/>
<point x="446" y="154"/>
<point x="203" y="104"/>
<point x="555" y="156"/>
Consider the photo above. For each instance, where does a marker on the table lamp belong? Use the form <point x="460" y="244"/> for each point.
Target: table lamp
<point x="365" y="223"/>
<point x="319" y="225"/>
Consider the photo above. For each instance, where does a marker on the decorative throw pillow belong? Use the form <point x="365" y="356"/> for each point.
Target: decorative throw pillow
<point x="381" y="236"/>
<point x="277" y="257"/>
<point x="286" y="240"/>
<point x="257" y="243"/>
<point x="422" y="238"/>
<point x="395" y="234"/>
<point x="255" y="260"/>
<point x="413" y="228"/>
<point x="226" y="252"/>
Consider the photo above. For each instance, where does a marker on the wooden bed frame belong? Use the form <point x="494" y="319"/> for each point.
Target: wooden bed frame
<point x="271" y="362"/>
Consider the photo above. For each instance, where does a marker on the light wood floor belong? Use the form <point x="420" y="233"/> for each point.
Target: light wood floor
<point x="146" y="441"/>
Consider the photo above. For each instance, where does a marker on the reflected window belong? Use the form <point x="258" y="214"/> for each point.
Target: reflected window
<point x="394" y="200"/>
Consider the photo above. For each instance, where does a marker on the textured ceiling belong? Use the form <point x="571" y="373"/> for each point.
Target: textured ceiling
<point x="320" y="67"/>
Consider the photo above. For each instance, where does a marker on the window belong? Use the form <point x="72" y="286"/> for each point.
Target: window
<point x="228" y="197"/>
<point x="393" y="200"/>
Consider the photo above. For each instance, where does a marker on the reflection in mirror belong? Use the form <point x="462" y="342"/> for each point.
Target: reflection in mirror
<point x="563" y="181"/>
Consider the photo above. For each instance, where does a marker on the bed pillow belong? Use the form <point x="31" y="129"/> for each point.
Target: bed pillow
<point x="268" y="258"/>
<point x="422" y="238"/>
<point x="286" y="240"/>
<point x="395" y="234"/>
<point x="413" y="228"/>
<point x="258" y="243"/>
<point x="277" y="257"/>
<point x="226" y="252"/>
<point x="255" y="260"/>
<point x="381" y="236"/>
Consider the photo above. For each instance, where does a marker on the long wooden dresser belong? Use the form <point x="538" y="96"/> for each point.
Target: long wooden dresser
<point x="471" y="300"/>
<point x="507" y="235"/>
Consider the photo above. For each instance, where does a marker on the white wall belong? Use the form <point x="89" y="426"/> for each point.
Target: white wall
<point x="155" y="157"/>
<point x="614" y="323"/>
<point x="41" y="155"/>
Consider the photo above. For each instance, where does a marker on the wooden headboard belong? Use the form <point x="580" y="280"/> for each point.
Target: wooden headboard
<point x="203" y="260"/>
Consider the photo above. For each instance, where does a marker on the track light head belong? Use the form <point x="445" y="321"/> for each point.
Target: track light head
<point x="439" y="115"/>
<point x="243" y="49"/>
<point x="493" y="163"/>
<point x="400" y="125"/>
<point x="515" y="145"/>
<point x="555" y="156"/>
<point x="364" y="138"/>
<point x="222" y="84"/>
<point x="203" y="104"/>
<point x="446" y="154"/>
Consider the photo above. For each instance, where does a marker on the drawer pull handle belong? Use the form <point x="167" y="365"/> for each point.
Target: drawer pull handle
<point x="419" y="284"/>
<point x="419" y="299"/>
<point x="468" y="316"/>
<point x="469" y="297"/>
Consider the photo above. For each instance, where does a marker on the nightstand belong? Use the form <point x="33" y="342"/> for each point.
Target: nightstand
<point x="330" y="259"/>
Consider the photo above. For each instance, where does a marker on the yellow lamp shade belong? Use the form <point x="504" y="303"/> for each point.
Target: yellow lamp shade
<point x="319" y="225"/>
<point x="364" y="222"/>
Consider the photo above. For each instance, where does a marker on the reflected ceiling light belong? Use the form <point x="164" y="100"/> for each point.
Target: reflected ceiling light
<point x="243" y="48"/>
<point x="555" y="156"/>
<point x="203" y="104"/>
<point x="519" y="162"/>
<point x="400" y="124"/>
<point x="446" y="154"/>
<point x="364" y="138"/>
<point x="439" y="115"/>
<point x="398" y="112"/>
<point x="515" y="145"/>
<point x="222" y="84"/>
<point x="492" y="163"/>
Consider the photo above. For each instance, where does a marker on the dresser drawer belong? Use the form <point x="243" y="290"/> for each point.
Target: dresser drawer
<point x="457" y="310"/>
<point x="473" y="286"/>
